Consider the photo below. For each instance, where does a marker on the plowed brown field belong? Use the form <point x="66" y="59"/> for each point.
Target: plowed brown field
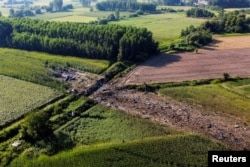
<point x="225" y="55"/>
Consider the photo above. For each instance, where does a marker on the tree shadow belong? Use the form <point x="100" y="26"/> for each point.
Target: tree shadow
<point x="162" y="60"/>
<point x="213" y="45"/>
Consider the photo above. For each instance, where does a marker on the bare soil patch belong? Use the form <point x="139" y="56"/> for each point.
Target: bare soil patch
<point x="225" y="55"/>
<point x="223" y="43"/>
<point x="190" y="118"/>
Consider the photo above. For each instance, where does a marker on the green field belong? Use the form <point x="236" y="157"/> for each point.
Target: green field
<point x="175" y="150"/>
<point x="19" y="97"/>
<point x="36" y="66"/>
<point x="101" y="124"/>
<point x="108" y="137"/>
<point x="166" y="26"/>
<point x="230" y="97"/>
<point x="82" y="15"/>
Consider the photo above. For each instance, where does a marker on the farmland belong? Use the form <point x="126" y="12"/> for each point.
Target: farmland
<point x="157" y="151"/>
<point x="19" y="97"/>
<point x="211" y="62"/>
<point x="159" y="114"/>
<point x="36" y="67"/>
<point x="165" y="26"/>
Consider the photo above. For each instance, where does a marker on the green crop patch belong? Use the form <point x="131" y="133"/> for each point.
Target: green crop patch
<point x="101" y="124"/>
<point x="176" y="150"/>
<point x="18" y="97"/>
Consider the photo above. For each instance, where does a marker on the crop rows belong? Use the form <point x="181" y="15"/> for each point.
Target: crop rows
<point x="19" y="97"/>
<point x="151" y="152"/>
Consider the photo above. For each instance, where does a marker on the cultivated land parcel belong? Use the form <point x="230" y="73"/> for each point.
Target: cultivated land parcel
<point x="19" y="97"/>
<point x="173" y="126"/>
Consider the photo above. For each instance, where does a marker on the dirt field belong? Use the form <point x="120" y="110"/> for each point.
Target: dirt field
<point x="225" y="55"/>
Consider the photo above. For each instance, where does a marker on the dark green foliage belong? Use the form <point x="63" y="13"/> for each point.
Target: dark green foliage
<point x="125" y="6"/>
<point x="36" y="126"/>
<point x="198" y="12"/>
<point x="233" y="22"/>
<point x="229" y="3"/>
<point x="226" y="76"/>
<point x="173" y="151"/>
<point x="82" y="40"/>
<point x="114" y="69"/>
<point x="5" y="30"/>
<point x="199" y="38"/>
<point x="196" y="36"/>
<point x="8" y="133"/>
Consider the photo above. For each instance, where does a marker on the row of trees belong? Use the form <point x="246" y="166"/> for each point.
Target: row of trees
<point x="198" y="12"/>
<point x="77" y="39"/>
<point x="125" y="6"/>
<point x="233" y="22"/>
<point x="229" y="3"/>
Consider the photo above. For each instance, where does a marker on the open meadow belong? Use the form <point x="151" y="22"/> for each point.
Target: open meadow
<point x="165" y="26"/>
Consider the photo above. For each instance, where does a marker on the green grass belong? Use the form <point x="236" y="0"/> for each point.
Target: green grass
<point x="213" y="96"/>
<point x="36" y="66"/>
<point x="241" y="86"/>
<point x="180" y="150"/>
<point x="166" y="26"/>
<point x="82" y="15"/>
<point x="101" y="124"/>
<point x="19" y="97"/>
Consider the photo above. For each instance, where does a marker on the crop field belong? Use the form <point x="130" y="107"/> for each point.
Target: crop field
<point x="210" y="62"/>
<point x="157" y="151"/>
<point x="19" y="97"/>
<point x="36" y="67"/>
<point x="100" y="124"/>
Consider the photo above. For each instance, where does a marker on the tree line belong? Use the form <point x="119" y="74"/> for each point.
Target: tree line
<point x="229" y="3"/>
<point x="233" y="22"/>
<point x="199" y="12"/>
<point x="125" y="6"/>
<point x="110" y="42"/>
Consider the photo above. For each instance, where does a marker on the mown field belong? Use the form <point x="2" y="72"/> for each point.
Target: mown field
<point x="36" y="67"/>
<point x="231" y="97"/>
<point x="19" y="97"/>
<point x="165" y="26"/>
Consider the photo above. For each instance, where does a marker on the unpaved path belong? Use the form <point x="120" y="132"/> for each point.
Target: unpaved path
<point x="166" y="111"/>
